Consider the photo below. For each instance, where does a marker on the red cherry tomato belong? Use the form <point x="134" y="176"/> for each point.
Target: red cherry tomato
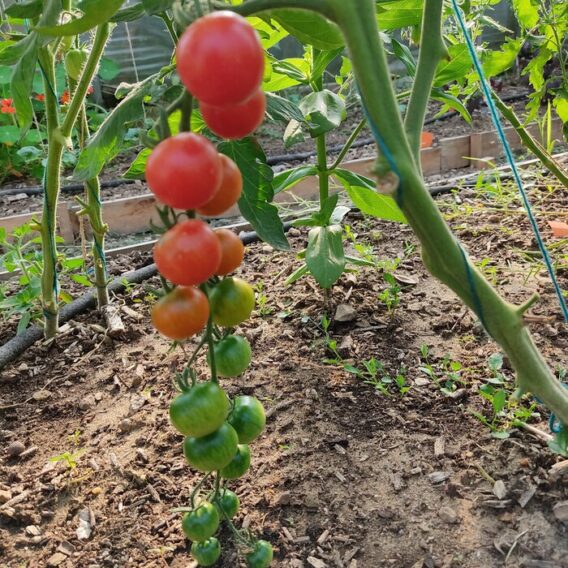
<point x="232" y="251"/>
<point x="182" y="313"/>
<point x="236" y="121"/>
<point x="188" y="254"/>
<point x="220" y="59"/>
<point x="229" y="192"/>
<point x="184" y="171"/>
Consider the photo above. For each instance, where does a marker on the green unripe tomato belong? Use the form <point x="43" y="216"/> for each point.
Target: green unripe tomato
<point x="75" y="60"/>
<point x="212" y="452"/>
<point x="261" y="555"/>
<point x="200" y="410"/>
<point x="239" y="465"/>
<point x="227" y="504"/>
<point x="202" y="523"/>
<point x="231" y="301"/>
<point x="232" y="356"/>
<point x="247" y="418"/>
<point x="206" y="553"/>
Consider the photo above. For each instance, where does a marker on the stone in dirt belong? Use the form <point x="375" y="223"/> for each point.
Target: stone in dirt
<point x="345" y="313"/>
<point x="499" y="490"/>
<point x="448" y="515"/>
<point x="560" y="511"/>
<point x="15" y="449"/>
<point x="56" y="559"/>
<point x="345" y="346"/>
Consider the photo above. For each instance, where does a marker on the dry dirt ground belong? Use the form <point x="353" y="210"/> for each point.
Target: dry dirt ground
<point x="345" y="474"/>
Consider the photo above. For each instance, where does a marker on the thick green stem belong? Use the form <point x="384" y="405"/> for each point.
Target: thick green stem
<point x="58" y="137"/>
<point x="533" y="145"/>
<point x="432" y="49"/>
<point x="323" y="172"/>
<point x="49" y="284"/>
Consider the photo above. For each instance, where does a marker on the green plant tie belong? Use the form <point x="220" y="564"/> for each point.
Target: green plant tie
<point x="510" y="158"/>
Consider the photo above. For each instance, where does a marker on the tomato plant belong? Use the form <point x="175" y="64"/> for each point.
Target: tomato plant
<point x="189" y="253"/>
<point x="213" y="451"/>
<point x="247" y="418"/>
<point x="181" y="313"/>
<point x="239" y="465"/>
<point x="235" y="121"/>
<point x="200" y="410"/>
<point x="206" y="553"/>
<point x="227" y="503"/>
<point x="232" y="356"/>
<point x="232" y="251"/>
<point x="220" y="59"/>
<point x="184" y="171"/>
<point x="229" y="190"/>
<point x="232" y="302"/>
<point x="260" y="556"/>
<point x="201" y="523"/>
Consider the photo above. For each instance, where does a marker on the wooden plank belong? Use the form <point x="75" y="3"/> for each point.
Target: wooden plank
<point x="455" y="152"/>
<point x="431" y="159"/>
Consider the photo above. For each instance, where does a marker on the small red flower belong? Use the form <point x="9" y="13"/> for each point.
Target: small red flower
<point x="7" y="106"/>
<point x="65" y="98"/>
<point x="40" y="97"/>
<point x="90" y="90"/>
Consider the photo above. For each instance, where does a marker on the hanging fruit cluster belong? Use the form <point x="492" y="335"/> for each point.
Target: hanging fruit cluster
<point x="220" y="60"/>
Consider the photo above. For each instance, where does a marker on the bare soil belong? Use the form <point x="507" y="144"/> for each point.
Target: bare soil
<point x="345" y="475"/>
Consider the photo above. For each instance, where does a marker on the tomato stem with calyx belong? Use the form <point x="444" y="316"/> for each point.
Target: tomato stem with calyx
<point x="196" y="489"/>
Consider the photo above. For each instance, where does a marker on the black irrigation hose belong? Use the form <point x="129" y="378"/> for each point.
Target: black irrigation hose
<point x="14" y="347"/>
<point x="71" y="189"/>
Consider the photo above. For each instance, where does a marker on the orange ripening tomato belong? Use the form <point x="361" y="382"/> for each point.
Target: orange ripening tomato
<point x="232" y="251"/>
<point x="182" y="313"/>
<point x="189" y="253"/>
<point x="220" y="59"/>
<point x="238" y="121"/>
<point x="229" y="192"/>
<point x="184" y="171"/>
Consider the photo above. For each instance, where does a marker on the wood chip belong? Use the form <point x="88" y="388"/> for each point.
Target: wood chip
<point x="316" y="562"/>
<point x="499" y="489"/>
<point x="526" y="496"/>
<point x="323" y="536"/>
<point x="280" y="406"/>
<point x="439" y="447"/>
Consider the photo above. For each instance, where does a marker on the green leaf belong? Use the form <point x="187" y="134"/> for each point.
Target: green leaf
<point x="403" y="53"/>
<point x="499" y="401"/>
<point x="362" y="192"/>
<point x="137" y="169"/>
<point x="29" y="9"/>
<point x="535" y="68"/>
<point x="496" y="62"/>
<point x="154" y="7"/>
<point x="9" y="134"/>
<point x="107" y="141"/>
<point x="293" y="133"/>
<point x="129" y="14"/>
<point x="21" y="84"/>
<point x="13" y="52"/>
<point x="255" y="202"/>
<point x="24" y="322"/>
<point x="325" y="256"/>
<point x="455" y="68"/>
<point x="285" y="180"/>
<point x="527" y="13"/>
<point x="324" y="111"/>
<point x="108" y="69"/>
<point x="451" y="102"/>
<point x="95" y="12"/>
<point x="323" y="59"/>
<point x="279" y="108"/>
<point x="309" y="27"/>
<point x="399" y="14"/>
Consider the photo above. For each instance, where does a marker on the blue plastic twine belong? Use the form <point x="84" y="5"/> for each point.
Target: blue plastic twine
<point x="499" y="127"/>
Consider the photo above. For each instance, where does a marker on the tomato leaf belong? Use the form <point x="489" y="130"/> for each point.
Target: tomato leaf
<point x="107" y="141"/>
<point x="154" y="7"/>
<point x="137" y="168"/>
<point x="22" y="82"/>
<point x="323" y="110"/>
<point x="258" y="193"/>
<point x="403" y="53"/>
<point x="285" y="180"/>
<point x="362" y="192"/>
<point x="309" y="27"/>
<point x="455" y="68"/>
<point x="325" y="256"/>
<point x="95" y="12"/>
<point x="279" y="108"/>
<point x="527" y="13"/>
<point x="496" y="62"/>
<point x="396" y="14"/>
<point x="30" y="9"/>
<point x="129" y="14"/>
